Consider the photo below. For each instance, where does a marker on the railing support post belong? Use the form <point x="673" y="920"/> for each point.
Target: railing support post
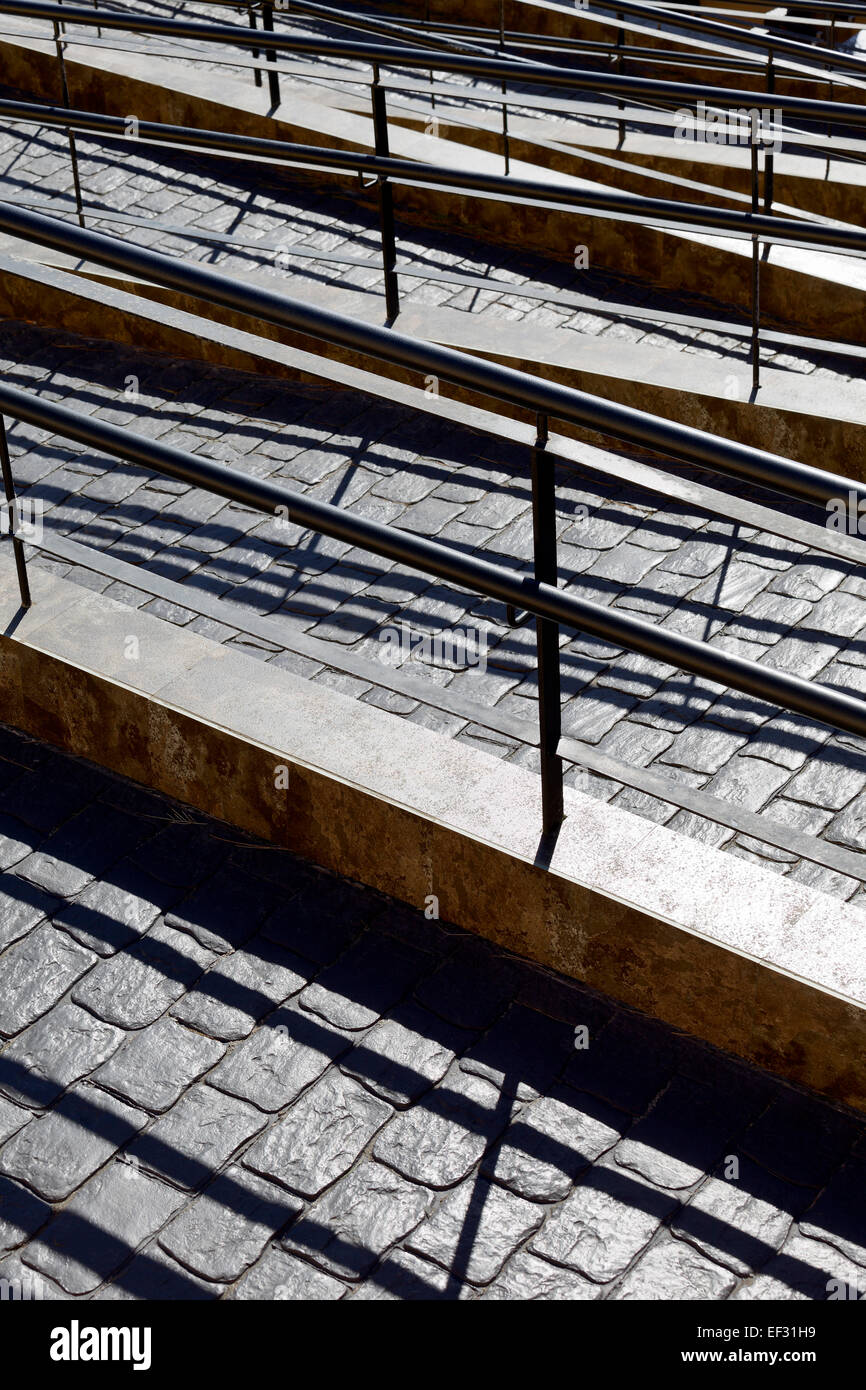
<point x="17" y="543"/>
<point x="73" y="152"/>
<point x="386" y="200"/>
<point x="547" y="632"/>
<point x="257" y="76"/>
<point x="768" y="151"/>
<point x="756" y="276"/>
<point x="271" y="56"/>
<point x="620" y="40"/>
<point x="506" y="141"/>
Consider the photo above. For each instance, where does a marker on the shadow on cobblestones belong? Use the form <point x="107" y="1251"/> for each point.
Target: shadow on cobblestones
<point x="226" y="1073"/>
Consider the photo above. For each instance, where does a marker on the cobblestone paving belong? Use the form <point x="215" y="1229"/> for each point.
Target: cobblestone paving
<point x="227" y="1074"/>
<point x="742" y="590"/>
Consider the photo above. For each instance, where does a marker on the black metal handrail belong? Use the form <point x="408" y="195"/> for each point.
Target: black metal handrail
<point x="410" y="56"/>
<point x="549" y="398"/>
<point x="814" y="235"/>
<point x="549" y="605"/>
<point x="538" y="596"/>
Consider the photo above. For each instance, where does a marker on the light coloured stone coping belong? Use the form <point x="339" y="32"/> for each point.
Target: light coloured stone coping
<point x="790" y="928"/>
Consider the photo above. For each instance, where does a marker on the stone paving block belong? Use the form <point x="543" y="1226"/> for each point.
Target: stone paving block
<point x="475" y="1229"/>
<point x="672" y="1270"/>
<point x="227" y="1227"/>
<point x="225" y="912"/>
<point x="805" y="1269"/>
<point x="59" y="1150"/>
<point x="363" y="984"/>
<point x="734" y="588"/>
<point x="49" y="794"/>
<point x="593" y="715"/>
<point x="153" y="1067"/>
<point x="838" y="1216"/>
<point x="103" y="1224"/>
<point x="549" y="1142"/>
<point x="322" y="920"/>
<point x="62" y="1047"/>
<point x="320" y="1137"/>
<point x="24" y="1282"/>
<point x="285" y="1278"/>
<point x="22" y="1214"/>
<point x="795" y="1142"/>
<point x="601" y="531"/>
<point x="404" y="1277"/>
<point x="697" y="558"/>
<point x="22" y="907"/>
<point x="240" y="989"/>
<point x="154" y="1275"/>
<point x="849" y="827"/>
<point x="626" y="564"/>
<point x="16" y="842"/>
<point x="703" y="748"/>
<point x="358" y="1219"/>
<point x="182" y="854"/>
<point x="740" y="1222"/>
<point x="81" y="850"/>
<point x="808" y="580"/>
<point x="12" y="1118"/>
<point x="112" y="912"/>
<point x="627" y="1064"/>
<point x="37" y="970"/>
<point x="281" y="1058"/>
<point x="404" y="1055"/>
<point x="787" y="740"/>
<point x="443" y="1137"/>
<point x="830" y="780"/>
<point x="768" y="617"/>
<point x="522" y="1053"/>
<point x="189" y="1143"/>
<point x="472" y="988"/>
<point x="637" y="676"/>
<point x="528" y="1278"/>
<point x="684" y="1134"/>
<point x="748" y="782"/>
<point x="608" y="1219"/>
<point x="801" y="654"/>
<point x="134" y="987"/>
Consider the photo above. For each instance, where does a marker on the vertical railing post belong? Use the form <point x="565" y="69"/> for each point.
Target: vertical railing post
<point x="257" y="76"/>
<point x="271" y="56"/>
<point x="547" y="632"/>
<point x="756" y="273"/>
<point x="73" y="153"/>
<point x="506" y="140"/>
<point x="17" y="544"/>
<point x="386" y="199"/>
<point x="768" y="152"/>
<point x="620" y="39"/>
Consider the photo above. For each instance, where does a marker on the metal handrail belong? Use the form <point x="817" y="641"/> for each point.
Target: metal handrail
<point x="538" y="596"/>
<point x="517" y="189"/>
<point x="549" y="605"/>
<point x="499" y="69"/>
<point x="622" y="422"/>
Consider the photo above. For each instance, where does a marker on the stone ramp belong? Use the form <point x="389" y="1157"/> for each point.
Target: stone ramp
<point x="315" y="607"/>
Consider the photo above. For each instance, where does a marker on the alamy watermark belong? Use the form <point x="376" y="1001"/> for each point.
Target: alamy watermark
<point x="744" y="125"/>
<point x="847" y="514"/>
<point x="452" y="647"/>
<point x="23" y="519"/>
